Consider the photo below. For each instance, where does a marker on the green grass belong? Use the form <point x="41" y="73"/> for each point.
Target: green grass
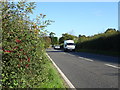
<point x="54" y="78"/>
<point x="109" y="53"/>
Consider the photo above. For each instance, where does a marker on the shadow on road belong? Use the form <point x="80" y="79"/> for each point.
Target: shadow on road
<point x="97" y="57"/>
<point x="112" y="74"/>
<point x="55" y="51"/>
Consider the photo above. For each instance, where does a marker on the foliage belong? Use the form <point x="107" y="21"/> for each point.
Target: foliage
<point x="47" y="41"/>
<point x="103" y="41"/>
<point x="54" y="40"/>
<point x="23" y="54"/>
<point x="54" y="80"/>
<point x="66" y="36"/>
<point x="52" y="34"/>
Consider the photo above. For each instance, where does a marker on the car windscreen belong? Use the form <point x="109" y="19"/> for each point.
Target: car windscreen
<point x="70" y="44"/>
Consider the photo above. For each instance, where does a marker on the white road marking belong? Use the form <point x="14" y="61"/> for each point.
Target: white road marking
<point x="62" y="74"/>
<point x="64" y="53"/>
<point x="86" y="59"/>
<point x="112" y="66"/>
<point x="71" y="55"/>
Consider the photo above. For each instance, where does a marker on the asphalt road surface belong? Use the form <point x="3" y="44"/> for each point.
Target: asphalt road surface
<point x="85" y="70"/>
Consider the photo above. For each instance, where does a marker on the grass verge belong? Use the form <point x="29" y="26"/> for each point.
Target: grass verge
<point x="54" y="78"/>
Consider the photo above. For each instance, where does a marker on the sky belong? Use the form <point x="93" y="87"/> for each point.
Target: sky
<point x="78" y="18"/>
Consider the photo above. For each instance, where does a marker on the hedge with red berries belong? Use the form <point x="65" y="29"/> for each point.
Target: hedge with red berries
<point x="23" y="54"/>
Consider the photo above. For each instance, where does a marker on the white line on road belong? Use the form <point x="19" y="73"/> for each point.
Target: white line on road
<point x="64" y="53"/>
<point x="112" y="66"/>
<point x="62" y="74"/>
<point x="71" y="55"/>
<point x="86" y="59"/>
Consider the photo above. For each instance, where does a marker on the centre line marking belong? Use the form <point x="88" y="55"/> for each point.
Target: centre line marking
<point x="64" y="53"/>
<point x="112" y="66"/>
<point x="71" y="55"/>
<point x="86" y="59"/>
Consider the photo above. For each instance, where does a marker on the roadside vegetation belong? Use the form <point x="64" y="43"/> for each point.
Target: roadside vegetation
<point x="24" y="61"/>
<point x="106" y="43"/>
<point x="54" y="78"/>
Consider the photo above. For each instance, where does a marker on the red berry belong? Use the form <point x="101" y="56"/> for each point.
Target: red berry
<point x="7" y="51"/>
<point x="28" y="59"/>
<point x="26" y="65"/>
<point x="18" y="41"/>
<point x="21" y="49"/>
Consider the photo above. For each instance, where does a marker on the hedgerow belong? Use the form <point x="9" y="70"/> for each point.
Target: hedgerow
<point x="23" y="54"/>
<point x="107" y="41"/>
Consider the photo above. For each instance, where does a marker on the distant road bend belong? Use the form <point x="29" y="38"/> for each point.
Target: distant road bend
<point x="85" y="70"/>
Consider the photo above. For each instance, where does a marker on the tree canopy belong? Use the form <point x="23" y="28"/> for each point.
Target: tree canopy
<point x="66" y="36"/>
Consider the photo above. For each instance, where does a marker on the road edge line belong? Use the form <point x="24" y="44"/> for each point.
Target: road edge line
<point x="62" y="74"/>
<point x="112" y="66"/>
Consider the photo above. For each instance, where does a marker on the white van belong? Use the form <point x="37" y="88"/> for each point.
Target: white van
<point x="69" y="45"/>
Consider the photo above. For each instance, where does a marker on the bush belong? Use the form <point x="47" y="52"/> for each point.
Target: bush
<point x="23" y="54"/>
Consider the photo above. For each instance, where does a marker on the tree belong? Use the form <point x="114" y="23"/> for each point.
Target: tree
<point x="82" y="38"/>
<point x="51" y="34"/>
<point x="67" y="36"/>
<point x="54" y="40"/>
<point x="110" y="30"/>
<point x="61" y="40"/>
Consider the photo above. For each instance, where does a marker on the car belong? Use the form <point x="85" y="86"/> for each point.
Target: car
<point x="57" y="47"/>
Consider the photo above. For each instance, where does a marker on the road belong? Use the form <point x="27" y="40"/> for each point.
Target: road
<point x="85" y="70"/>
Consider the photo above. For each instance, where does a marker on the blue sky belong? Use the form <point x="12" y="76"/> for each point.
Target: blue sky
<point x="85" y="18"/>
